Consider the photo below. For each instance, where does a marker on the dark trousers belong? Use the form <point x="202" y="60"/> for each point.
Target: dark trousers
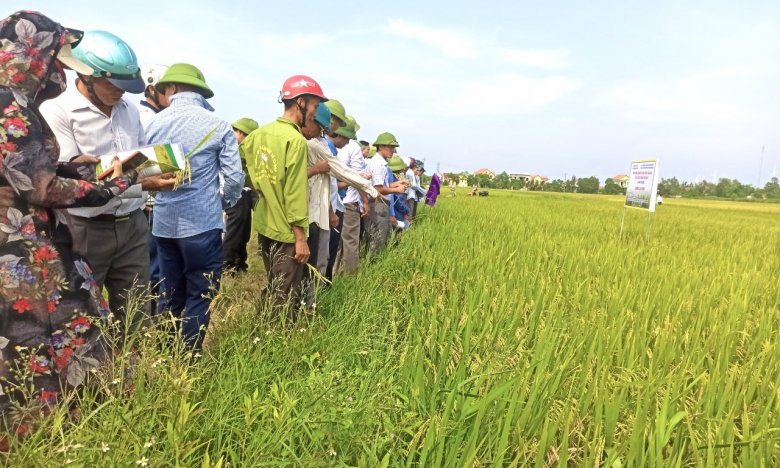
<point x="335" y="239"/>
<point x="191" y="268"/>
<point x="284" y="275"/>
<point x="412" y="205"/>
<point x="238" y="231"/>
<point x="118" y="254"/>
<point x="309" y="279"/>
<point x="154" y="264"/>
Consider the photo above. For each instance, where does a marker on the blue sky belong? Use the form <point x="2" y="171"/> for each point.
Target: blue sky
<point x="545" y="87"/>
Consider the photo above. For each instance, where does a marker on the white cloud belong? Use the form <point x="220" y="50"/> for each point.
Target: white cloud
<point x="699" y="99"/>
<point x="451" y="43"/>
<point x="511" y="94"/>
<point x="548" y="59"/>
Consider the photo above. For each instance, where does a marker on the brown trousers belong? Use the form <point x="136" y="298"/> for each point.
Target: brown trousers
<point x="378" y="228"/>
<point x="284" y="275"/>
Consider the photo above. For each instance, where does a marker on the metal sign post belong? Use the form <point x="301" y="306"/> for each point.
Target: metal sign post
<point x="647" y="230"/>
<point x="622" y="220"/>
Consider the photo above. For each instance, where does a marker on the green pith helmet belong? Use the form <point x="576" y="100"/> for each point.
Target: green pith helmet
<point x="186" y="74"/>
<point x="386" y="139"/>
<point x="246" y="125"/>
<point x="347" y="131"/>
<point x="372" y="151"/>
<point x="337" y="109"/>
<point x="352" y="119"/>
<point x="396" y="164"/>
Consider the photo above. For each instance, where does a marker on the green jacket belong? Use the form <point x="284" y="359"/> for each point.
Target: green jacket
<point x="276" y="162"/>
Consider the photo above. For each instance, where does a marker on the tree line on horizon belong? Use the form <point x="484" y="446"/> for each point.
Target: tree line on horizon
<point x="672" y="187"/>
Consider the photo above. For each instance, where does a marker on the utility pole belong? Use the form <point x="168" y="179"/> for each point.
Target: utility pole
<point x="438" y="167"/>
<point x="758" y="186"/>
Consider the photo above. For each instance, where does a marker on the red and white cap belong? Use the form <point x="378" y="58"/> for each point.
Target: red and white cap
<point x="300" y="85"/>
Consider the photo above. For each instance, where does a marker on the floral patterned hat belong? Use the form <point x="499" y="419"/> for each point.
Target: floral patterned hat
<point x="29" y="46"/>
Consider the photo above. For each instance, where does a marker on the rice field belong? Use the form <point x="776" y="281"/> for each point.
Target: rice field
<point x="513" y="330"/>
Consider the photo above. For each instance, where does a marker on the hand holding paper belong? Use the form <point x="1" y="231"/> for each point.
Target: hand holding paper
<point x="116" y="168"/>
<point x="149" y="160"/>
<point x="85" y="159"/>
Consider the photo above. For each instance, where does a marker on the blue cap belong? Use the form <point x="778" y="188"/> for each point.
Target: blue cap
<point x="112" y="58"/>
<point x="323" y="117"/>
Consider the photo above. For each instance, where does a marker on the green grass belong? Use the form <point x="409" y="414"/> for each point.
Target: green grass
<point x="513" y="330"/>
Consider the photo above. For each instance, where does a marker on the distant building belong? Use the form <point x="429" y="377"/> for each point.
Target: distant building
<point x="538" y="179"/>
<point x="520" y="176"/>
<point x="489" y="173"/>
<point x="463" y="179"/>
<point x="621" y="180"/>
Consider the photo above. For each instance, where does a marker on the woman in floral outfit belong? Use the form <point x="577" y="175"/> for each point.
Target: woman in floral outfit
<point x="50" y="307"/>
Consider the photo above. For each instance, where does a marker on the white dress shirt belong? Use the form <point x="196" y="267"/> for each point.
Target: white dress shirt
<point x="352" y="156"/>
<point x="82" y="128"/>
<point x="414" y="184"/>
<point x="145" y="112"/>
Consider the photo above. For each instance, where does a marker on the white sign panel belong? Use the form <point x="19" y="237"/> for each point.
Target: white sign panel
<point x="642" y="185"/>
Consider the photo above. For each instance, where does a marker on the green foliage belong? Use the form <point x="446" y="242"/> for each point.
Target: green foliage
<point x="478" y="340"/>
<point x="612" y="188"/>
<point x="671" y="187"/>
<point x="772" y="189"/>
<point x="589" y="185"/>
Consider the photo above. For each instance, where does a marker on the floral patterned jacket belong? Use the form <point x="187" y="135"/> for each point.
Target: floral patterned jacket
<point x="50" y="307"/>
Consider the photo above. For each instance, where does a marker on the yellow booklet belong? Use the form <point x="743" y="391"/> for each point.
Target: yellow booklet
<point x="149" y="160"/>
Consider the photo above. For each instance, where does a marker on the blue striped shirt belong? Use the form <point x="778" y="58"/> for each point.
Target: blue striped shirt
<point x="194" y="208"/>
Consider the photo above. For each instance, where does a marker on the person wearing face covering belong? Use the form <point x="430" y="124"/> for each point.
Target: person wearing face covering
<point x="50" y="306"/>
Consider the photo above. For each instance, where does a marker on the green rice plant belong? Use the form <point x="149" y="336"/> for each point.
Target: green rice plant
<point x="510" y="331"/>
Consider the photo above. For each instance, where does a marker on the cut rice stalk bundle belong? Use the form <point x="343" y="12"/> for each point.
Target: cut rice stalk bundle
<point x="187" y="172"/>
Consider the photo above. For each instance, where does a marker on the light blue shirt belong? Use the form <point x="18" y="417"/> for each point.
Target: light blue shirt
<point x="194" y="208"/>
<point x="335" y="199"/>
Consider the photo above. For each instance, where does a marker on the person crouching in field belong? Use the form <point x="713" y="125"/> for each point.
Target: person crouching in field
<point x="276" y="156"/>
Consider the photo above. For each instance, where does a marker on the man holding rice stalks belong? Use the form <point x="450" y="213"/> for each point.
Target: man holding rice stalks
<point x="323" y="171"/>
<point x="188" y="221"/>
<point x="379" y="226"/>
<point x="355" y="201"/>
<point x="400" y="213"/>
<point x="276" y="156"/>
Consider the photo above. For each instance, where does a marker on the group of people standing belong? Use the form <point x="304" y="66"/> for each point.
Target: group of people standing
<point x="304" y="183"/>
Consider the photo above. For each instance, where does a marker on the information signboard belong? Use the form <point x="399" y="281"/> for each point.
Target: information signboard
<point x="642" y="189"/>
